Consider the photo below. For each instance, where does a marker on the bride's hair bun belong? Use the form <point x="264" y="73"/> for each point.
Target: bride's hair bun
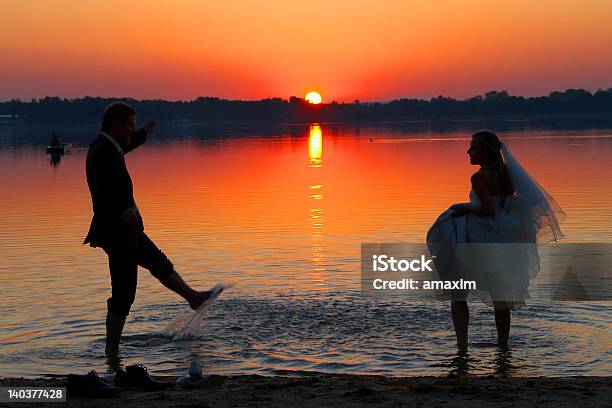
<point x="488" y="139"/>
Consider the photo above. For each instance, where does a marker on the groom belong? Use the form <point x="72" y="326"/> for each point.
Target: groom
<point x="117" y="226"/>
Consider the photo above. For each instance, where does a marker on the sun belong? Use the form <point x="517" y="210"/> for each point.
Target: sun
<point x="313" y="97"/>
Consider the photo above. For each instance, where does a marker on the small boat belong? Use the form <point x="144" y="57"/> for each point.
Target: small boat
<point x="62" y="148"/>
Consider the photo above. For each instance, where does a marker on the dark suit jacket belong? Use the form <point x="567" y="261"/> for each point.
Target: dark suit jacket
<point x="111" y="189"/>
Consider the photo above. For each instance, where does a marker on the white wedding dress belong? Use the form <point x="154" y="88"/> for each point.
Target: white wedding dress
<point x="499" y="253"/>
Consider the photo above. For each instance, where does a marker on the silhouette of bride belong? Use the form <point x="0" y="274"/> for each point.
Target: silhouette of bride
<point x="492" y="240"/>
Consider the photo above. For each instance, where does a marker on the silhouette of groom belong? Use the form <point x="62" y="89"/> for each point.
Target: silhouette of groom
<point x="117" y="225"/>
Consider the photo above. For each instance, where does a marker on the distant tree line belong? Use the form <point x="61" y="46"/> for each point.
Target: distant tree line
<point x="210" y="109"/>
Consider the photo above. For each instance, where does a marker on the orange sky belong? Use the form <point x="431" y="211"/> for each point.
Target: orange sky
<point x="370" y="50"/>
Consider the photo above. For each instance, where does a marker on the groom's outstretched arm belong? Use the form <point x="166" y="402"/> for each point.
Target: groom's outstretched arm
<point x="139" y="137"/>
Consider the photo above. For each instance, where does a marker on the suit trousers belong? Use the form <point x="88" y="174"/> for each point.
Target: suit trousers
<point x="125" y="254"/>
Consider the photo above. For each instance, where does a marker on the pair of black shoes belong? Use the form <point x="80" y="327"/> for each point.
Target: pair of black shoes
<point x="89" y="386"/>
<point x="136" y="376"/>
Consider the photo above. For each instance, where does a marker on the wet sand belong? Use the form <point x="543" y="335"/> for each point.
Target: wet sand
<point x="357" y="391"/>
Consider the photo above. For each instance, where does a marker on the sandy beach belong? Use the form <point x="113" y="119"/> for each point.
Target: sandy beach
<point x="357" y="391"/>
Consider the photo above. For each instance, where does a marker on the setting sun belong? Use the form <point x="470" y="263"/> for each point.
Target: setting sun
<point x="313" y="97"/>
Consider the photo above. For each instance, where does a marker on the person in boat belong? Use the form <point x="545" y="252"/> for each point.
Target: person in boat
<point x="55" y="141"/>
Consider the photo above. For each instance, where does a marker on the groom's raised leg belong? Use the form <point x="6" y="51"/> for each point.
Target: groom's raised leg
<point x="153" y="259"/>
<point x="175" y="283"/>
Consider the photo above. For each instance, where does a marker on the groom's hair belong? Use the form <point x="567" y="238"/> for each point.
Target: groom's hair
<point x="116" y="111"/>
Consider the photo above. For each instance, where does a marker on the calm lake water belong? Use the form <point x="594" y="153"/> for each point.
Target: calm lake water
<point x="281" y="212"/>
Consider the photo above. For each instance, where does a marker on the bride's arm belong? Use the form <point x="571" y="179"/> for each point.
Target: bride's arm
<point x="484" y="207"/>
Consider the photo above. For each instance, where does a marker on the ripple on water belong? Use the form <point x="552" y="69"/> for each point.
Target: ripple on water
<point x="318" y="321"/>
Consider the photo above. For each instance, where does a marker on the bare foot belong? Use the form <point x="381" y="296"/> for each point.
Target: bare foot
<point x="202" y="297"/>
<point x="503" y="345"/>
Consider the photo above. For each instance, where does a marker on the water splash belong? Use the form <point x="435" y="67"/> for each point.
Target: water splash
<point x="186" y="325"/>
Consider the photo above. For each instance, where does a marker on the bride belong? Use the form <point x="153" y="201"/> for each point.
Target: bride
<point x="492" y="240"/>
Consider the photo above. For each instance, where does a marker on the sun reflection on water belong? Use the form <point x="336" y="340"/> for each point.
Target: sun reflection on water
<point x="315" y="156"/>
<point x="315" y="146"/>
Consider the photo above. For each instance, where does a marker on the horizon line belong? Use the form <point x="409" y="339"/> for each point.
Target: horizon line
<point x="287" y="99"/>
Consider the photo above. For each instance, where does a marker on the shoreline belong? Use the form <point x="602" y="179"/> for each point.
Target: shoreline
<point x="355" y="391"/>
